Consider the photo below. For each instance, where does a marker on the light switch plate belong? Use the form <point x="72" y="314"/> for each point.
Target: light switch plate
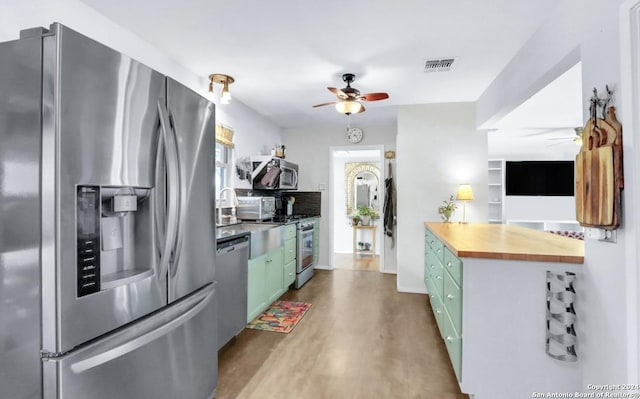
<point x="321" y="186"/>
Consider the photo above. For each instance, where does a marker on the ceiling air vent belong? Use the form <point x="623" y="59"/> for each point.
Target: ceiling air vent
<point x="439" y="65"/>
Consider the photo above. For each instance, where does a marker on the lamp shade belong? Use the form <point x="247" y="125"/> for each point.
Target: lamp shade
<point x="348" y="107"/>
<point x="464" y="193"/>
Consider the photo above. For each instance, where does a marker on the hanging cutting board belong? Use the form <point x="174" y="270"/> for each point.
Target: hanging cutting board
<point x="598" y="173"/>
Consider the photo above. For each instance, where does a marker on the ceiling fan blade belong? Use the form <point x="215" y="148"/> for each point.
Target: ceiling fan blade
<point x="341" y="94"/>
<point x="373" y="96"/>
<point x="560" y="143"/>
<point x="323" y="104"/>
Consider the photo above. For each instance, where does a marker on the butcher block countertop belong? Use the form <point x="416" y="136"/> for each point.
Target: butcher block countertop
<point x="504" y="241"/>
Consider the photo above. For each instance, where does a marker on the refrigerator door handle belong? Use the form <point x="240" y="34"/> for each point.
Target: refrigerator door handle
<point x="173" y="184"/>
<point x="160" y="202"/>
<point x="195" y="304"/>
<point x="181" y="189"/>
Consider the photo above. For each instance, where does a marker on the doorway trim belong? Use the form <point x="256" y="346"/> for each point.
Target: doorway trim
<point x="332" y="151"/>
<point x="630" y="90"/>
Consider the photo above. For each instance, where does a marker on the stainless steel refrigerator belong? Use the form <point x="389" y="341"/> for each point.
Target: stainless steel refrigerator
<point x="106" y="225"/>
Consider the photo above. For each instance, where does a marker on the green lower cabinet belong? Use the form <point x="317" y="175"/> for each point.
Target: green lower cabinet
<point x="438" y="312"/>
<point x="265" y="282"/>
<point x="453" y="265"/>
<point x="454" y="345"/>
<point x="443" y="278"/>
<point x="275" y="275"/>
<point x="256" y="298"/>
<point x="289" y="273"/>
<point x="452" y="299"/>
<point x="289" y="250"/>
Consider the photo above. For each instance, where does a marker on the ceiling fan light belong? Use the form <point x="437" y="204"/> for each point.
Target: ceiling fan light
<point x="226" y="94"/>
<point x="348" y="107"/>
<point x="578" y="141"/>
<point x="224" y="80"/>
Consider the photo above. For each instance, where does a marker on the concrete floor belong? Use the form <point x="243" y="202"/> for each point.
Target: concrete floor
<point x="360" y="339"/>
<point x="356" y="262"/>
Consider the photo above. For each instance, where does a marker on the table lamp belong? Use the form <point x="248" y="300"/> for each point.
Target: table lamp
<point x="464" y="194"/>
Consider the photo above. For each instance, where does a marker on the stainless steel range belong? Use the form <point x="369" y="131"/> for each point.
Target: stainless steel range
<point x="304" y="267"/>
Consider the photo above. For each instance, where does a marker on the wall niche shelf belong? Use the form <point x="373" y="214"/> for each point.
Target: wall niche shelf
<point x="495" y="168"/>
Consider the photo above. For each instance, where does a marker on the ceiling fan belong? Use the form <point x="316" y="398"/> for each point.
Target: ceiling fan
<point x="349" y="97"/>
<point x="577" y="139"/>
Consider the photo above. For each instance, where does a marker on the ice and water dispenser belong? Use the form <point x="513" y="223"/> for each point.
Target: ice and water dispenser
<point x="115" y="237"/>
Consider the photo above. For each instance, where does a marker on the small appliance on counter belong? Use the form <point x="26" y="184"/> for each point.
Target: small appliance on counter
<point x="256" y="208"/>
<point x="290" y="202"/>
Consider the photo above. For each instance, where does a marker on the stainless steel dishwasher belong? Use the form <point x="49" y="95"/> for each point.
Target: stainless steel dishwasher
<point x="232" y="259"/>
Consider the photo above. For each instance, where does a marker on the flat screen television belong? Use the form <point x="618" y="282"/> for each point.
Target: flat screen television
<point x="540" y="178"/>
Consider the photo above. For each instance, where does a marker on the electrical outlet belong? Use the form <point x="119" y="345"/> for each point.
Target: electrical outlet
<point x="605" y="235"/>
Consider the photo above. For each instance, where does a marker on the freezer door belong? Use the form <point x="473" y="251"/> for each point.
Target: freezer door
<point x="20" y="85"/>
<point x="193" y="123"/>
<point x="100" y="138"/>
<point x="170" y="354"/>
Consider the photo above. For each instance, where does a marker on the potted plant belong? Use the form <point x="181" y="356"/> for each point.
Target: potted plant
<point x="365" y="214"/>
<point x="447" y="210"/>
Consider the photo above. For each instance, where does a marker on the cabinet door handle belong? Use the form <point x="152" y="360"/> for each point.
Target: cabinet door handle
<point x="449" y="338"/>
<point x="449" y="296"/>
<point x="449" y="263"/>
<point x="438" y="277"/>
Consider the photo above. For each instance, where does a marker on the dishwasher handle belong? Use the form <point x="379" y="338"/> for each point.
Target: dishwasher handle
<point x="229" y="246"/>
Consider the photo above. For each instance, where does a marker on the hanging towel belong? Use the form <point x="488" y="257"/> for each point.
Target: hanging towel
<point x="389" y="207"/>
<point x="271" y="178"/>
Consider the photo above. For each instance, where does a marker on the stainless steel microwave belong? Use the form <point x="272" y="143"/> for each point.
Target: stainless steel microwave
<point x="272" y="173"/>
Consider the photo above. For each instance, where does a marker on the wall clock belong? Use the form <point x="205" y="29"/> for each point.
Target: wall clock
<point x="354" y="134"/>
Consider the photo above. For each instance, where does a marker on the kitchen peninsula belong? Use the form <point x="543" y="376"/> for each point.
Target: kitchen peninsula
<point x="487" y="285"/>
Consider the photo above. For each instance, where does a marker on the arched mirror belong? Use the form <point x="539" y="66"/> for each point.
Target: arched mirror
<point x="363" y="183"/>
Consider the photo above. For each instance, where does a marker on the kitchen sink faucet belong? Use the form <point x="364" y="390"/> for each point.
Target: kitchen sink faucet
<point x="234" y="204"/>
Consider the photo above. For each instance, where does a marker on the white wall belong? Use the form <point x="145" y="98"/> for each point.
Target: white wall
<point x="539" y="208"/>
<point x="513" y="145"/>
<point x="309" y="147"/>
<point x="587" y="31"/>
<point x="24" y="14"/>
<point x="253" y="133"/>
<point x="439" y="148"/>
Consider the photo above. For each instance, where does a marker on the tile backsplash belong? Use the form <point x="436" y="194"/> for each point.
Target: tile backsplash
<point x="306" y="202"/>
